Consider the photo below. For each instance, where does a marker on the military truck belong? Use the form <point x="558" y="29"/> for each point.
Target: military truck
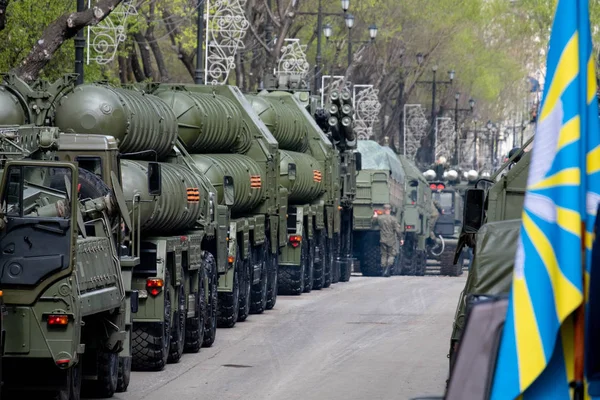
<point x="417" y="211"/>
<point x="380" y="181"/>
<point x="448" y="187"/>
<point x="491" y="229"/>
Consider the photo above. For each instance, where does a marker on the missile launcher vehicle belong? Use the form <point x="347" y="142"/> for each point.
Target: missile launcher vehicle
<point x="380" y="181"/>
<point x="66" y="278"/>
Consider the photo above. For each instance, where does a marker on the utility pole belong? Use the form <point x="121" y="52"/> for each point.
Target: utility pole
<point x="79" y="46"/>
<point x="199" y="73"/>
<point x="319" y="57"/>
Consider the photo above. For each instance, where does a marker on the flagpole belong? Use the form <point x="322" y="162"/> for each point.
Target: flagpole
<point x="579" y="327"/>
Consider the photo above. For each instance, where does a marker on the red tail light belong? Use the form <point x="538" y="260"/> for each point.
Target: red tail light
<point x="410" y="227"/>
<point x="154" y="286"/>
<point x="441" y="186"/>
<point x="295" y="240"/>
<point x="58" y="320"/>
<point x="433" y="186"/>
<point x="378" y="212"/>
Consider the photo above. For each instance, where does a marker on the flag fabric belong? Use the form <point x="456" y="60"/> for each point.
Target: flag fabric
<point x="536" y="355"/>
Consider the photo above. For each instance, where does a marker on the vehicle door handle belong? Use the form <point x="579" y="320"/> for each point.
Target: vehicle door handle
<point x="50" y="229"/>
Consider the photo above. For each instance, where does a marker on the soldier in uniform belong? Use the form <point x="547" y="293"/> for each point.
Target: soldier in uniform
<point x="390" y="233"/>
<point x="436" y="209"/>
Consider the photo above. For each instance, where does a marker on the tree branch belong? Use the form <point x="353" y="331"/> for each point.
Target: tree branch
<point x="3" y="7"/>
<point x="63" y="28"/>
<point x="272" y="16"/>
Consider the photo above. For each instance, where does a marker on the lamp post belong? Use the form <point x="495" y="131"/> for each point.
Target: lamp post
<point x="456" y="129"/>
<point x="79" y="46"/>
<point x="199" y="74"/>
<point x="349" y="25"/>
<point x="434" y="82"/>
<point x="318" y="59"/>
<point x="491" y="128"/>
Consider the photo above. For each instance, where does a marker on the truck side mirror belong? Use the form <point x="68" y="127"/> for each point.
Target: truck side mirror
<point x="228" y="190"/>
<point x="292" y="172"/>
<point x="154" y="179"/>
<point x="358" y="158"/>
<point x="473" y="210"/>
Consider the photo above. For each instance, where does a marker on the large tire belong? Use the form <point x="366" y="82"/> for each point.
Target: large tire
<point x="72" y="390"/>
<point x="319" y="264"/>
<point x="245" y="289"/>
<point x="291" y="277"/>
<point x="178" y="328"/>
<point x="194" y="326"/>
<point x="273" y="269"/>
<point x="210" y="319"/>
<point x="346" y="271"/>
<point x="309" y="269"/>
<point x="447" y="266"/>
<point x="329" y="260"/>
<point x="410" y="263"/>
<point x="370" y="264"/>
<point x="422" y="263"/>
<point x="124" y="374"/>
<point x="151" y="342"/>
<point x="107" y="369"/>
<point x="259" y="291"/>
<point x="229" y="304"/>
<point x="335" y="266"/>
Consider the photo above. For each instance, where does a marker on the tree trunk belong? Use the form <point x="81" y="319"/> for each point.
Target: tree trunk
<point x="136" y="67"/>
<point x="158" y="56"/>
<point x="63" y="28"/>
<point x="122" y="69"/>
<point x="3" y="7"/>
<point x="146" y="56"/>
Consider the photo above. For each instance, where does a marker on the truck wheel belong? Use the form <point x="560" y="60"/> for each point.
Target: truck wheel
<point x="447" y="266"/>
<point x="210" y="318"/>
<point x="194" y="326"/>
<point x="245" y="289"/>
<point x="328" y="261"/>
<point x="345" y="272"/>
<point x="410" y="264"/>
<point x="260" y="255"/>
<point x="151" y="342"/>
<point x="178" y="327"/>
<point x="107" y="369"/>
<point x="370" y="265"/>
<point x="229" y="302"/>
<point x="291" y="277"/>
<point x="319" y="264"/>
<point x="309" y="269"/>
<point x="72" y="390"/>
<point x="421" y="263"/>
<point x="124" y="374"/>
<point x="335" y="266"/>
<point x="273" y="269"/>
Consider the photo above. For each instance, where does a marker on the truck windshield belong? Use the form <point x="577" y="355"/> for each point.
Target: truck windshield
<point x="444" y="199"/>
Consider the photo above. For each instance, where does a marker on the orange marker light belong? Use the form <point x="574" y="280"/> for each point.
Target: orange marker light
<point x="230" y="259"/>
<point x="58" y="320"/>
<point x="295" y="240"/>
<point x="154" y="285"/>
<point x="379" y="212"/>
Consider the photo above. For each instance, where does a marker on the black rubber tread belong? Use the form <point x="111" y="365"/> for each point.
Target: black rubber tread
<point x="410" y="263"/>
<point x="72" y="391"/>
<point x="151" y="342"/>
<point x="319" y="264"/>
<point x="245" y="289"/>
<point x="258" y="296"/>
<point x="335" y="270"/>
<point x="124" y="374"/>
<point x="273" y="269"/>
<point x="309" y="269"/>
<point x="194" y="326"/>
<point x="447" y="267"/>
<point x="370" y="263"/>
<point x="346" y="272"/>
<point x="178" y="327"/>
<point x="291" y="280"/>
<point x="107" y="376"/>
<point x="210" y="319"/>
<point x="228" y="302"/>
<point x="328" y="261"/>
<point x="422" y="263"/>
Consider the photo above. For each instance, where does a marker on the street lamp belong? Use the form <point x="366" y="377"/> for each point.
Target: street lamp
<point x="327" y="31"/>
<point x="434" y="82"/>
<point x="456" y="129"/>
<point x="349" y="21"/>
<point x="420" y="58"/>
<point x="373" y="31"/>
<point x="345" y="5"/>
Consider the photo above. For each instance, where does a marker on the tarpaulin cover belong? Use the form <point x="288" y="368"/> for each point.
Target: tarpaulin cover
<point x="375" y="156"/>
<point x="491" y="272"/>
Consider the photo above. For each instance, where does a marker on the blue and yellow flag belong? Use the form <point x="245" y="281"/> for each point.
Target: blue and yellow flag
<point x="536" y="356"/>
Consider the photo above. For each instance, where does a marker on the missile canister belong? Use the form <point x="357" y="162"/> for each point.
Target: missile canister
<point x="176" y="209"/>
<point x="208" y="123"/>
<point x="307" y="183"/>
<point x="137" y="120"/>
<point x="285" y="123"/>
<point x="246" y="173"/>
<point x="11" y="111"/>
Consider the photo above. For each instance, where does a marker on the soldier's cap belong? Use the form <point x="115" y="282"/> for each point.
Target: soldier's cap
<point x="387" y="207"/>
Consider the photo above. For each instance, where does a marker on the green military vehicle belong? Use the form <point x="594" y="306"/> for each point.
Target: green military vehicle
<point x="380" y="181"/>
<point x="491" y="229"/>
<point x="417" y="212"/>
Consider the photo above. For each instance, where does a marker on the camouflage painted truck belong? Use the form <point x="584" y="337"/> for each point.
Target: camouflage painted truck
<point x="417" y="212"/>
<point x="311" y="174"/>
<point x="380" y="181"/>
<point x="65" y="286"/>
<point x="491" y="228"/>
<point x="179" y="230"/>
<point x="448" y="191"/>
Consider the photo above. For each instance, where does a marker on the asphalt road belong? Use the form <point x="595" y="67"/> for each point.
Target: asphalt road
<point x="371" y="338"/>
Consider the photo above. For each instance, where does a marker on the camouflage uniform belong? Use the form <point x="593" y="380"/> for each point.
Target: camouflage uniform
<point x="433" y="217"/>
<point x="390" y="232"/>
